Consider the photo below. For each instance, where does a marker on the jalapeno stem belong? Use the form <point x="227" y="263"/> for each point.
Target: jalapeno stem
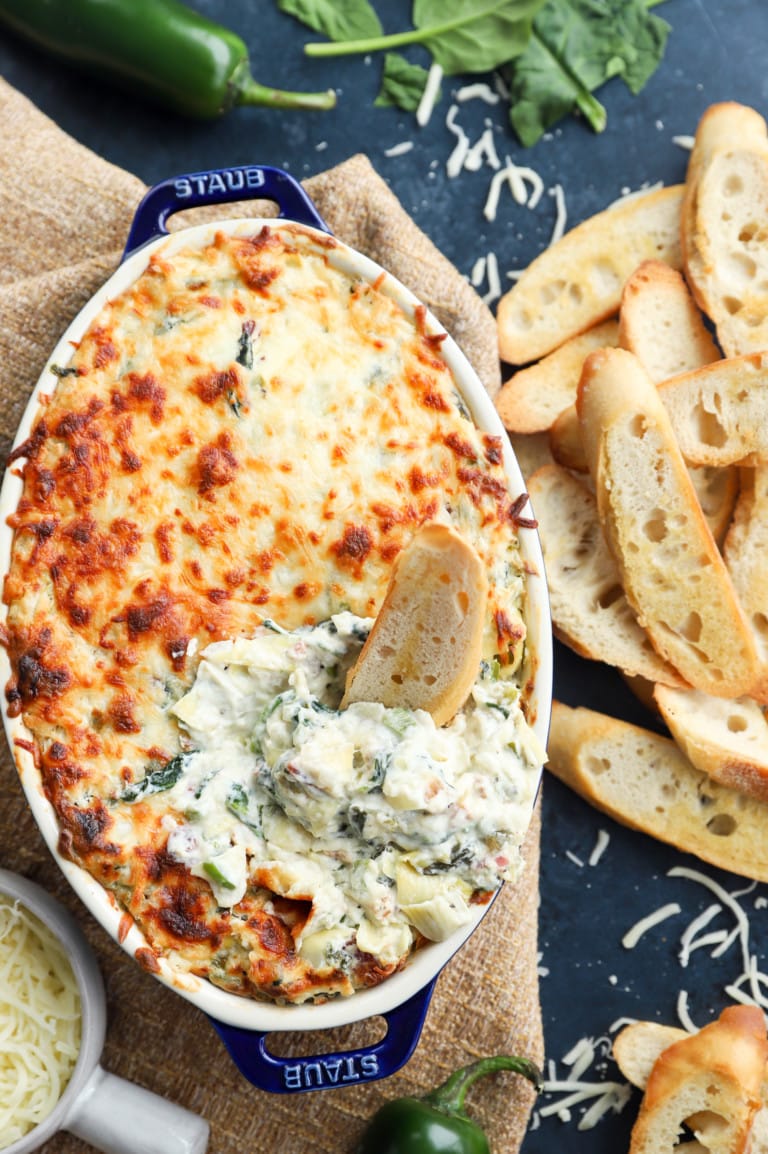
<point x="251" y="92"/>
<point x="449" y="1097"/>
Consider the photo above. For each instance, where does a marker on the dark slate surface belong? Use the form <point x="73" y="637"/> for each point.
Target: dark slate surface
<point x="716" y="52"/>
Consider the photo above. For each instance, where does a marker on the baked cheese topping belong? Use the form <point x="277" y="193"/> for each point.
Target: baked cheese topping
<point x="247" y="434"/>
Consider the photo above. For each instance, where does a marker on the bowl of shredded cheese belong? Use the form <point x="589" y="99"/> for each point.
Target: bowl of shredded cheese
<point x="52" y="1029"/>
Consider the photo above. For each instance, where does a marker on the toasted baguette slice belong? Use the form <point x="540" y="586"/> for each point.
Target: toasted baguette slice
<point x="717" y="489"/>
<point x="638" y="1046"/>
<point x="589" y="610"/>
<point x="531" y="400"/>
<point x="724" y="738"/>
<point x="645" y="782"/>
<point x="660" y="323"/>
<point x="425" y="646"/>
<point x="671" y="569"/>
<point x="724" y="237"/>
<point x="577" y="282"/>
<point x="565" y="441"/>
<point x="710" y="1081"/>
<point x="531" y="451"/>
<point x="720" y="412"/>
<point x="745" y="551"/>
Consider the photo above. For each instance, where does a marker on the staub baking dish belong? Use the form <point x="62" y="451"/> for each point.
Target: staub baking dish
<point x="402" y="998"/>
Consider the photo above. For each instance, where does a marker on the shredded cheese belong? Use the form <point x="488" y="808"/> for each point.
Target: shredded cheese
<point x="478" y="92"/>
<point x="477" y="275"/>
<point x="562" y="216"/>
<point x="633" y="935"/>
<point x="429" y="95"/>
<point x="494" y="280"/>
<point x="39" y="1021"/>
<point x="455" y="162"/>
<point x="683" y="1014"/>
<point x="603" y="838"/>
<point x="399" y="149"/>
<point x="482" y="151"/>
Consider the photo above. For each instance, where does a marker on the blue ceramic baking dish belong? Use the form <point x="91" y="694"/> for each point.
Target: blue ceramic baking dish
<point x="403" y="999"/>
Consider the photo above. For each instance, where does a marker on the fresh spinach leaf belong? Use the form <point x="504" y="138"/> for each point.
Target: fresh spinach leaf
<point x="477" y="36"/>
<point x="336" y="19"/>
<point x="462" y="35"/>
<point x="576" y="46"/>
<point x="402" y="83"/>
<point x="156" y="779"/>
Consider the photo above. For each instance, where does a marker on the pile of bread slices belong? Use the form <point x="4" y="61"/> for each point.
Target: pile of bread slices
<point x="640" y="421"/>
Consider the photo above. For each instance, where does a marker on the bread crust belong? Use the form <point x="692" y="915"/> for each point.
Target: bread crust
<point x="424" y="649"/>
<point x="590" y="611"/>
<point x="644" y="781"/>
<point x="724" y="243"/>
<point x="533" y="398"/>
<point x="725" y="738"/>
<point x="720" y="411"/>
<point x="744" y="551"/>
<point x="672" y="571"/>
<point x="660" y="323"/>
<point x="710" y="1080"/>
<point x="577" y="282"/>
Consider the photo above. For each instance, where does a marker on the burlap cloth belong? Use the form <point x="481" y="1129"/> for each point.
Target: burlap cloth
<point x="64" y="216"/>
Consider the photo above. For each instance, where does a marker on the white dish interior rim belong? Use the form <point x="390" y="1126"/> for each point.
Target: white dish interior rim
<point x="427" y="962"/>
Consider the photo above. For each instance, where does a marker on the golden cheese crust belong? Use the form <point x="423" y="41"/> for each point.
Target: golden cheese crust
<point x="246" y="433"/>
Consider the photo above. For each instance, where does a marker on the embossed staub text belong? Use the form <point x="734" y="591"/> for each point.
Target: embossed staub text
<point x="225" y="180"/>
<point x="330" y="1071"/>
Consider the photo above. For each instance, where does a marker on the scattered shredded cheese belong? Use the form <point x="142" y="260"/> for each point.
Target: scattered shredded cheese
<point x="603" y="838"/>
<point x="633" y="935"/>
<point x="683" y="141"/>
<point x="478" y="92"/>
<point x="455" y="162"/>
<point x="429" y="95"/>
<point x="39" y="1021"/>
<point x="683" y="1014"/>
<point x="687" y="940"/>
<point x="477" y="276"/>
<point x="399" y="149"/>
<point x="482" y="151"/>
<point x="576" y="860"/>
<point x="494" y="280"/>
<point x="562" y="215"/>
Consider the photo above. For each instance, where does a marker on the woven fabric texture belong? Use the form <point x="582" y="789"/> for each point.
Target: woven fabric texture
<point x="61" y="234"/>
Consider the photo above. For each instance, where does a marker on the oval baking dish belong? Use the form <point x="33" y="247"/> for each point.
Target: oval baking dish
<point x="403" y="997"/>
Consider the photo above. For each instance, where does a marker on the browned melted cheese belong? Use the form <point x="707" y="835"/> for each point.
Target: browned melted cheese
<point x="246" y="433"/>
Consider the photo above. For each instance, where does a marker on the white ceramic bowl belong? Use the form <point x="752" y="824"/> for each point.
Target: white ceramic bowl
<point x="111" y="1114"/>
<point x="427" y="962"/>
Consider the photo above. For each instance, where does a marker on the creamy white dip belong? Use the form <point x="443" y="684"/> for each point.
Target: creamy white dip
<point x="386" y="822"/>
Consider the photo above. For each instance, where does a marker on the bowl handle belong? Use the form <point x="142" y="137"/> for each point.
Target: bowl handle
<point x="248" y="1050"/>
<point x="119" y="1117"/>
<point x="219" y="186"/>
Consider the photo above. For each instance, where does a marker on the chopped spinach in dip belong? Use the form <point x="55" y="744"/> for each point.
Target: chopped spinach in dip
<point x="384" y="822"/>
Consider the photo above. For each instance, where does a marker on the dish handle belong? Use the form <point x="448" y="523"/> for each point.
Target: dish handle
<point x="219" y="186"/>
<point x="119" y="1117"/>
<point x="295" y="1075"/>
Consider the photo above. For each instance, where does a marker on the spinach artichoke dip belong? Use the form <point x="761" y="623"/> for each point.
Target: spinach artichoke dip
<point x="215" y="490"/>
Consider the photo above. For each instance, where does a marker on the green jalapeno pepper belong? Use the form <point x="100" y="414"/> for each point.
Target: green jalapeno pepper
<point x="438" y="1123"/>
<point x="160" y="49"/>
